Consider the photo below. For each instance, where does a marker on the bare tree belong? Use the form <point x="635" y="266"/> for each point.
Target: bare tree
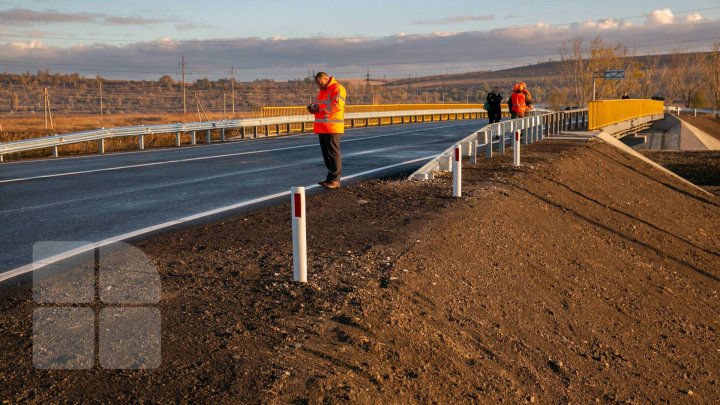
<point x="711" y="71"/>
<point x="644" y="81"/>
<point x="579" y="67"/>
<point x="688" y="67"/>
<point x="574" y="68"/>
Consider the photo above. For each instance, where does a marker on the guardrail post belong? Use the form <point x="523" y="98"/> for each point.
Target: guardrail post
<point x="2" y="158"/>
<point x="516" y="148"/>
<point x="222" y="134"/>
<point x="297" y="203"/>
<point x="177" y="138"/>
<point x="457" y="171"/>
<point x="255" y="132"/>
<point x="101" y="146"/>
<point x="489" y="142"/>
<point x="193" y="138"/>
<point x="141" y="142"/>
<point x="473" y="151"/>
<point x="501" y="136"/>
<point x="242" y="131"/>
<point x="208" y="137"/>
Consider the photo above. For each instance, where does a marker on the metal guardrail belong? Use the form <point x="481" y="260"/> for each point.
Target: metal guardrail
<point x="694" y="111"/>
<point x="289" y="124"/>
<point x="541" y="124"/>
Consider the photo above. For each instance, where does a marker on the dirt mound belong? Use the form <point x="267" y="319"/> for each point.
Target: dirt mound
<point x="584" y="275"/>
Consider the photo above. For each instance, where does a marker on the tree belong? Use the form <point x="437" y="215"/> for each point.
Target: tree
<point x="686" y="74"/>
<point x="14" y="102"/>
<point x="711" y="71"/>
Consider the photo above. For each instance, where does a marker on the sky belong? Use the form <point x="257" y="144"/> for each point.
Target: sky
<point x="288" y="39"/>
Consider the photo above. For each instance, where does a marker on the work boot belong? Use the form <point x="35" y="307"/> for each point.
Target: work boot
<point x="330" y="185"/>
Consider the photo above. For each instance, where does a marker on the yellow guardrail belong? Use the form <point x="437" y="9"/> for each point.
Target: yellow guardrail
<point x="267" y="112"/>
<point x="607" y="112"/>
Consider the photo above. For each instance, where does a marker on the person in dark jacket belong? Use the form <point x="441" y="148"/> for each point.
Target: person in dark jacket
<point x="493" y="100"/>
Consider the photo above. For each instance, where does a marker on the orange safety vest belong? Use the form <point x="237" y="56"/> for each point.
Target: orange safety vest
<point x="518" y="102"/>
<point x="331" y="102"/>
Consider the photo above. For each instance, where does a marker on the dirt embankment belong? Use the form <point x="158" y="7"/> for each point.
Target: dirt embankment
<point x="584" y="275"/>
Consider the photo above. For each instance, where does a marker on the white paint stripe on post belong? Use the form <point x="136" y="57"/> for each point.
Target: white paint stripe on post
<point x="457" y="171"/>
<point x="516" y="148"/>
<point x="297" y="203"/>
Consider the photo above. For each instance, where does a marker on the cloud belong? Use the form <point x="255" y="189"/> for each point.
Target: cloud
<point x="660" y="17"/>
<point x="398" y="55"/>
<point x="25" y="17"/>
<point x="28" y="45"/>
<point x="191" y="26"/>
<point x="456" y="20"/>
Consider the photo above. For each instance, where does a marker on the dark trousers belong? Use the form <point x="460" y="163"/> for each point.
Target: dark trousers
<point x="330" y="147"/>
<point x="494" y="114"/>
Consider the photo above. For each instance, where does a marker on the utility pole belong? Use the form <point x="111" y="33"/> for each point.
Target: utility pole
<point x="367" y="87"/>
<point x="182" y="64"/>
<point x="232" y="88"/>
<point x="101" y="98"/>
<point x="48" y="113"/>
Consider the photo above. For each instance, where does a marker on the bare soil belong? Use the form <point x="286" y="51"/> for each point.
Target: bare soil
<point x="584" y="275"/>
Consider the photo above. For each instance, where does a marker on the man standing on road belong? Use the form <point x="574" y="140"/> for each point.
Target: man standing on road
<point x="329" y="110"/>
<point x="493" y="99"/>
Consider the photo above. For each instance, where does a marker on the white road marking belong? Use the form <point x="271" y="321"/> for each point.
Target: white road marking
<point x="54" y="259"/>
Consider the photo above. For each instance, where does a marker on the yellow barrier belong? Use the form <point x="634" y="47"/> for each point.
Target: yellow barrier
<point x="607" y="112"/>
<point x="266" y="112"/>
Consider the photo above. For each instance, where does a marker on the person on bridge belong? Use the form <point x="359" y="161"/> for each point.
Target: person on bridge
<point x="493" y="100"/>
<point x="329" y="110"/>
<point x="528" y="96"/>
<point x="517" y="99"/>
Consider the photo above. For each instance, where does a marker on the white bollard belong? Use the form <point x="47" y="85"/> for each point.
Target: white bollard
<point x="516" y="148"/>
<point x="457" y="171"/>
<point x="473" y="151"/>
<point x="297" y="210"/>
<point x="488" y="143"/>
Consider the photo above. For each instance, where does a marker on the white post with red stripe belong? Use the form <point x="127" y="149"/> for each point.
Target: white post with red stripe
<point x="516" y="148"/>
<point x="457" y="170"/>
<point x="297" y="210"/>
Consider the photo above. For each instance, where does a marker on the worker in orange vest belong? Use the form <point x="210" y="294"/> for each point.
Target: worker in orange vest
<point x="518" y="101"/>
<point x="329" y="110"/>
<point x="528" y="96"/>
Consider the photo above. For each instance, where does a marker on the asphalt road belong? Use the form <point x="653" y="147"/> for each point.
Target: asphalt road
<point x="128" y="195"/>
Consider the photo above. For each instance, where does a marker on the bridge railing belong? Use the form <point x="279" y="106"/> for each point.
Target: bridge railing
<point x="539" y="125"/>
<point x="605" y="113"/>
<point x="693" y="111"/>
<point x="249" y="128"/>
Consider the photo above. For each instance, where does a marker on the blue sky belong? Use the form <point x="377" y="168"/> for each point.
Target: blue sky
<point x="282" y="39"/>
